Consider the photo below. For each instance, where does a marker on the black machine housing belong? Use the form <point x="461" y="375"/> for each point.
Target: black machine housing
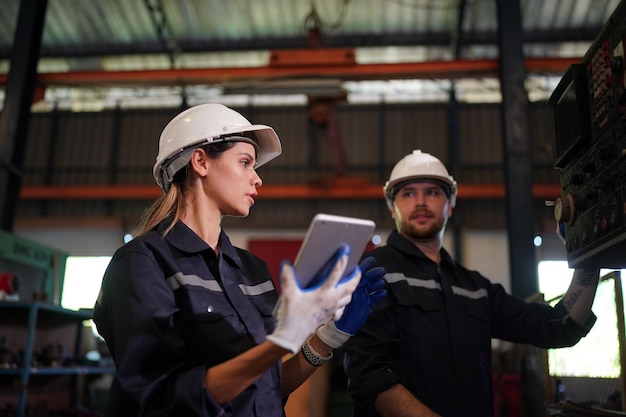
<point x="588" y="113"/>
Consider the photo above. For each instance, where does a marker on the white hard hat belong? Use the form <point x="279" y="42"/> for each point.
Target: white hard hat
<point x="415" y="166"/>
<point x="201" y="125"/>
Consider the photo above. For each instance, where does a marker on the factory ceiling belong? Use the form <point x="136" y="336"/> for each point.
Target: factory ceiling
<point x="156" y="52"/>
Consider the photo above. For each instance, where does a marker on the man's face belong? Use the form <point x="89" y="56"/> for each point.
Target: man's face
<point x="421" y="210"/>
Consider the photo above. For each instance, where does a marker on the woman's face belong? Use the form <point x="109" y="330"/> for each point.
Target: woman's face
<point x="232" y="181"/>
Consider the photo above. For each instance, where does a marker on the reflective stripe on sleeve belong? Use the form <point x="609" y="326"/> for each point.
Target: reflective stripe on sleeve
<point x="431" y="284"/>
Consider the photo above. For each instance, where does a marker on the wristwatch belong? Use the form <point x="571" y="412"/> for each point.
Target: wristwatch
<point x="313" y="357"/>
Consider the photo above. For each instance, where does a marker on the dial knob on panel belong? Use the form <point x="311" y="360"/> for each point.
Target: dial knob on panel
<point x="559" y="216"/>
<point x="564" y="209"/>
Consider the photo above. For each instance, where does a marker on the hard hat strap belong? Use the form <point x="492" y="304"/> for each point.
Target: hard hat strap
<point x="171" y="166"/>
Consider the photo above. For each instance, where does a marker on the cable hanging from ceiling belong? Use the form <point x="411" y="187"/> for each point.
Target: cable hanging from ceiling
<point x="171" y="47"/>
<point x="159" y="20"/>
<point x="314" y="20"/>
<point x="314" y="24"/>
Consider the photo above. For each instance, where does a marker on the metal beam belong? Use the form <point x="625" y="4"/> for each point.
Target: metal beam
<point x="348" y="40"/>
<point x="338" y="190"/>
<point x="517" y="150"/>
<point x="454" y="140"/>
<point x="456" y="36"/>
<point x="20" y="89"/>
<point x="198" y="76"/>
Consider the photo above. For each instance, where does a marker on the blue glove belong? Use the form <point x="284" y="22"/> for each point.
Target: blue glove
<point x="300" y="312"/>
<point x="323" y="273"/>
<point x="368" y="293"/>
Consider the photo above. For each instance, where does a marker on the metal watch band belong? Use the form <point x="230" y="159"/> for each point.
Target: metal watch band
<point x="313" y="357"/>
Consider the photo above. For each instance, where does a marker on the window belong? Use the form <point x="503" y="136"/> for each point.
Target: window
<point x="597" y="354"/>
<point x="83" y="276"/>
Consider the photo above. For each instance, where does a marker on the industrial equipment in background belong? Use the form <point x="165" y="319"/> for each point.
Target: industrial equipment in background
<point x="588" y="116"/>
<point x="9" y="286"/>
<point x="41" y="342"/>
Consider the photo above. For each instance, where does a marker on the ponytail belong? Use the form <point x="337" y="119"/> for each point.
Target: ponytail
<point x="170" y="204"/>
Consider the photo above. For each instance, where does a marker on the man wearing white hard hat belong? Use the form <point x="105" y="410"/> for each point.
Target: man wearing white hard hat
<point x="193" y="323"/>
<point x="426" y="349"/>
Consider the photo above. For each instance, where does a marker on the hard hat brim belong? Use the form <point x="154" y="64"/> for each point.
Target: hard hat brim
<point x="267" y="141"/>
<point x="264" y="137"/>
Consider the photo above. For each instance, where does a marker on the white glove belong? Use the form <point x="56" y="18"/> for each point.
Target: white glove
<point x="299" y="312"/>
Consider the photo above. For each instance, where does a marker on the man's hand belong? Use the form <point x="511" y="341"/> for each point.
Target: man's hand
<point x="369" y="292"/>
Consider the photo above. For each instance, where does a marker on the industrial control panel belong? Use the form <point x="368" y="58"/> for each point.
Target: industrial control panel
<point x="588" y="112"/>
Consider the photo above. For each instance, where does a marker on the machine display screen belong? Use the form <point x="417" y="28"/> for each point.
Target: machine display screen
<point x="570" y="115"/>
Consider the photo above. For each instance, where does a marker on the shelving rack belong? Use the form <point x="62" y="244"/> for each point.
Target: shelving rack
<point x="38" y="317"/>
<point x="35" y="316"/>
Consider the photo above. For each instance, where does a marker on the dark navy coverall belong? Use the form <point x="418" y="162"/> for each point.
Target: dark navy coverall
<point x="433" y="333"/>
<point x="169" y="308"/>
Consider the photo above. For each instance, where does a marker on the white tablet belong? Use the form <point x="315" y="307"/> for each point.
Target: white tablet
<point x="325" y="236"/>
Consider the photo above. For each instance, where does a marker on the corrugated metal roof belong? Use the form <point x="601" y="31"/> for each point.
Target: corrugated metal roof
<point x="75" y="28"/>
<point x="149" y="34"/>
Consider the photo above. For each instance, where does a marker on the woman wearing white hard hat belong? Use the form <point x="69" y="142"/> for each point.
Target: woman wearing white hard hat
<point x="193" y="322"/>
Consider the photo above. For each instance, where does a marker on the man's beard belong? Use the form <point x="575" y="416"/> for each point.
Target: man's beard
<point x="431" y="231"/>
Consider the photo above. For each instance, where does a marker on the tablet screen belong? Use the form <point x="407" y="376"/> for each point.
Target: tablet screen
<point x="326" y="234"/>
